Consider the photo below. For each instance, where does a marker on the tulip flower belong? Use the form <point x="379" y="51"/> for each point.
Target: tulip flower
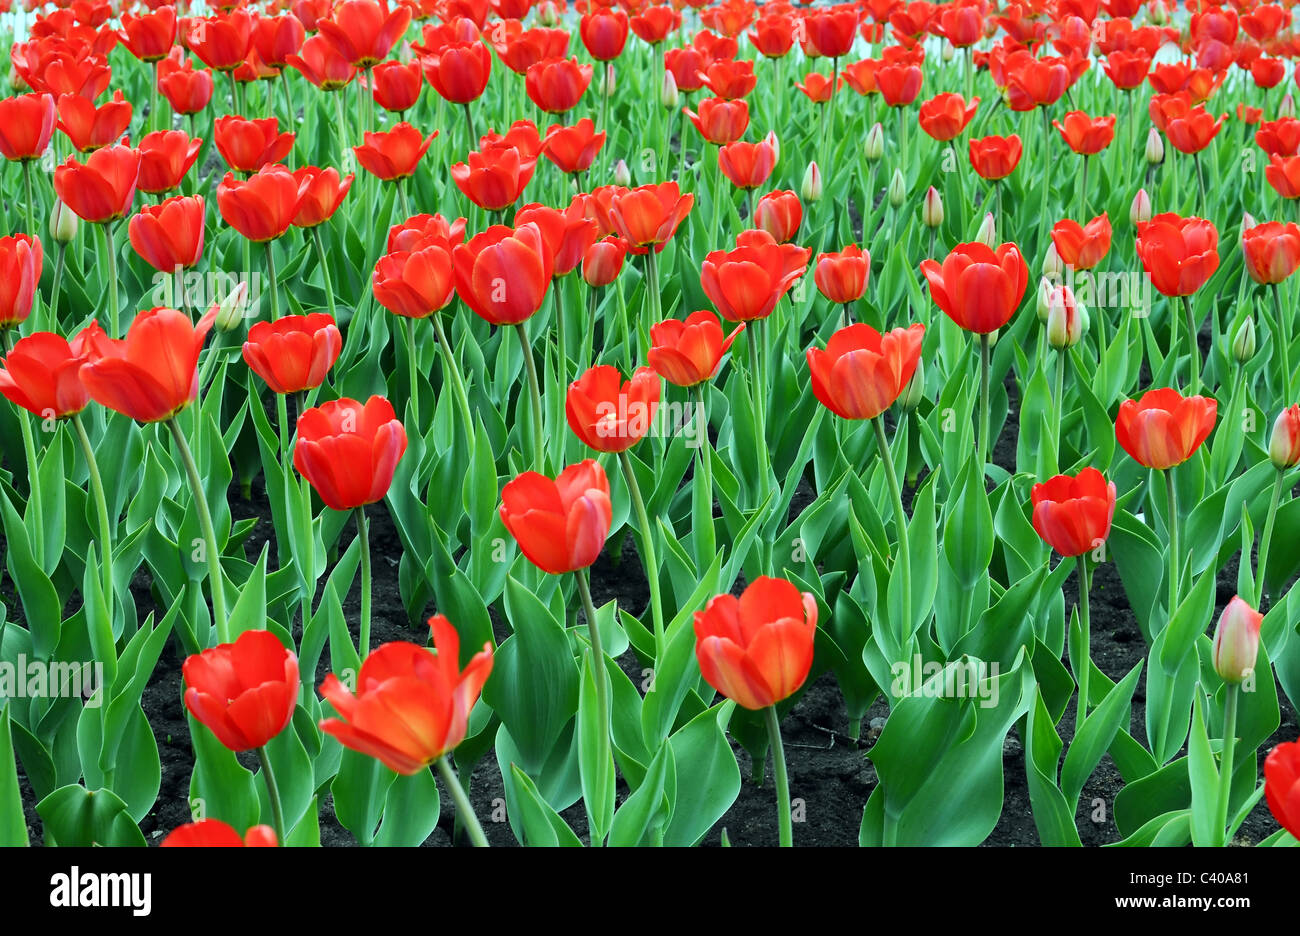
<point x="720" y="121"/>
<point x="655" y="24"/>
<point x="573" y="149"/>
<point x="560" y="525"/>
<point x="1271" y="251"/>
<point x="263" y="206"/>
<point x="1163" y="428"/>
<point x="411" y="708"/>
<point x="842" y="276"/>
<point x="730" y="80"/>
<point x="365" y="31"/>
<point x="89" y="127"/>
<point x="27" y="122"/>
<point x="1236" y="641"/>
<point x="1082" y="246"/>
<point x="393" y="155"/>
<point x="494" y="178"/>
<point x="603" y="31"/>
<point x="746" y="283"/>
<point x="294" y="353"/>
<point x="603" y="261"/>
<point x="149" y="37"/>
<point x="213" y="833"/>
<point x="459" y="73"/>
<point x="165" y="157"/>
<point x="395" y="86"/>
<point x="780" y="214"/>
<point x="169" y="236"/>
<point x="1279" y="137"/>
<point x="101" y="189"/>
<point x="747" y="165"/>
<point x="945" y="116"/>
<point x="687" y="353"/>
<point x="276" y="38"/>
<point x="188" y="90"/>
<point x="412" y="233"/>
<point x="1282" y="785"/>
<point x="648" y="216"/>
<point x="1179" y="255"/>
<point x="222" y="41"/>
<point x="556" y="85"/>
<point x="757" y="650"/>
<point x="324" y="194"/>
<point x="243" y="692"/>
<point x="862" y="372"/>
<point x="248" y="145"/>
<point x="995" y="157"/>
<point x="1086" y="135"/>
<point x="320" y="62"/>
<point x="610" y="415"/>
<point x="1192" y="132"/>
<point x="503" y="273"/>
<point x="21" y="259"/>
<point x="415" y="284"/>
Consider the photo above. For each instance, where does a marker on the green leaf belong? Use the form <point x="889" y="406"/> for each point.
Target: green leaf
<point x="1095" y="735"/>
<point x="13" y="825"/>
<point x="593" y="740"/>
<point x="707" y="779"/>
<point x="75" y="816"/>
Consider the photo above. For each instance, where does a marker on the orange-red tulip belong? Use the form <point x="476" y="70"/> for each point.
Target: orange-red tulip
<point x="560" y="525"/>
<point x="1086" y="135"/>
<point x="1164" y="428"/>
<point x="995" y="157"/>
<point x="609" y="414"/>
<point x="396" y="86"/>
<point x="945" y="116"/>
<point x="1073" y="513"/>
<point x="348" y="451"/>
<point x="27" y="122"/>
<point x="842" y="277"/>
<point x="149" y="36"/>
<point x="495" y="178"/>
<point x="557" y="85"/>
<point x="1279" y="137"/>
<point x="978" y="287"/>
<point x="686" y="353"/>
<point x="276" y="38"/>
<point x="1282" y="785"/>
<point x="165" y="157"/>
<point x="415" y="283"/>
<point x="1271" y="251"/>
<point x="729" y="79"/>
<point x="248" y="145"/>
<point x="1283" y="173"/>
<point x="720" y="121"/>
<point x="365" y="31"/>
<point x="648" y="216"/>
<point x="1082" y="246"/>
<point x="243" y="692"/>
<point x="169" y="235"/>
<point x="603" y="31"/>
<point x="42" y="374"/>
<point x="293" y="353"/>
<point x="780" y="214"/>
<point x="21" y="259"/>
<point x="459" y="73"/>
<point x="89" y="127"/>
<point x="213" y="833"/>
<point x="187" y="89"/>
<point x="320" y="62"/>
<point x="746" y="283"/>
<point x="263" y="206"/>
<point x="503" y="273"/>
<point x="573" y="149"/>
<point x="747" y="165"/>
<point x="603" y="261"/>
<point x="1193" y="133"/>
<point x="221" y="41"/>
<point x="412" y="233"/>
<point x="101" y="189"/>
<point x="324" y="193"/>
<point x="394" y="154"/>
<point x="862" y="372"/>
<point x="1180" y="254"/>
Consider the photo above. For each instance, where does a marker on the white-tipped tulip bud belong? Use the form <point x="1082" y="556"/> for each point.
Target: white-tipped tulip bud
<point x="548" y="14"/>
<point x="811" y="189"/>
<point x="773" y="141"/>
<point x="874" y="147"/>
<point x="897" y="189"/>
<point x="1140" y="211"/>
<point x="63" y="223"/>
<point x="1044" y="298"/>
<point x="949" y="50"/>
<point x="988" y="232"/>
<point x="1064" y="324"/>
<point x="1155" y="147"/>
<point x="1236" y="641"/>
<point x="914" y="392"/>
<point x="608" y="84"/>
<point x="932" y="210"/>
<point x="1053" y="265"/>
<point x="993" y="337"/>
<point x="16" y="82"/>
<point x="233" y="310"/>
<point x="668" y="95"/>
<point x="1284" y="445"/>
<point x="1243" y="343"/>
<point x="622" y="174"/>
<point x="1247" y="222"/>
<point x="1158" y="14"/>
<point x="1287" y="109"/>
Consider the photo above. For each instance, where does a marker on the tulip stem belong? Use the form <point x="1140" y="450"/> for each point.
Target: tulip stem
<point x="288" y="99"/>
<point x="1200" y="179"/>
<point x="271" y="276"/>
<point x="453" y="375"/>
<point x="1085" y="641"/>
<point x="363" y="534"/>
<point x="101" y="506"/>
<point x="110" y="261"/>
<point x="703" y="453"/>
<point x="463" y="808"/>
<point x="1083" y="194"/>
<point x="1194" y="364"/>
<point x="904" y="557"/>
<point x="647" y="553"/>
<point x="412" y="370"/>
<point x="469" y="122"/>
<point x="1060" y="404"/>
<point x="1282" y="340"/>
<point x="1231" y="691"/>
<point x="561" y="335"/>
<point x="34" y="501"/>
<point x="1172" y="521"/>
<point x="52" y="311"/>
<point x="1261" y="564"/>
<point x="272" y="794"/>
<point x="535" y="395"/>
<point x="324" y="270"/>
<point x="782" y="779"/>
<point x="598" y="674"/>
<point x="1047" y="178"/>
<point x="983" y="445"/>
<point x="31" y="205"/>
<point x="215" y="575"/>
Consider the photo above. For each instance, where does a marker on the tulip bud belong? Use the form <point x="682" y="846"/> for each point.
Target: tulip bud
<point x="1236" y="641"/>
<point x="1044" y="303"/>
<point x="233" y="309"/>
<point x="993" y="337"/>
<point x="548" y="15"/>
<point x="1243" y="343"/>
<point x="772" y="141"/>
<point x="668" y="95"/>
<point x="988" y="232"/>
<point x="1158" y="14"/>
<point x="949" y="50"/>
<point x="1287" y="110"/>
<point x="16" y="82"/>
<point x="1284" y="446"/>
<point x="1155" y="147"/>
<point x="897" y="188"/>
<point x="914" y="392"/>
<point x="607" y="85"/>
<point x="1053" y="265"/>
<point x="622" y="174"/>
<point x="875" y="145"/>
<point x="63" y="223"/>
<point x="1140" y="211"/>
<point x="1064" y="326"/>
<point x="932" y="209"/>
<point x="811" y="189"/>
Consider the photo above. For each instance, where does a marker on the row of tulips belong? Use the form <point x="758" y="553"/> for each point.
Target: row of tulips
<point x="959" y="574"/>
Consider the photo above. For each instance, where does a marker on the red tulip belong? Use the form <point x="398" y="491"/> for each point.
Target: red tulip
<point x="567" y="233"/>
<point x="560" y="525"/>
<point x="42" y="375"/>
<point x="757" y="649"/>
<point x="520" y="51"/>
<point x="1282" y="785"/>
<point x="1283" y="173"/>
<point x="1164" y="428"/>
<point x="248" y="145"/>
<point x="1127" y="68"/>
<point x="655" y="24"/>
<point x="945" y="116"/>
<point x="1279" y="137"/>
<point x="977" y="287"/>
<point x="27" y="122"/>
<point x="1035" y="82"/>
<point x="720" y="121"/>
<point x="686" y="353"/>
<point x="780" y="214"/>
<point x="365" y="31"/>
<point x="187" y="90"/>
<point x="213" y="833"/>
<point x="573" y="149"/>
<point x="1284" y="441"/>
<point x="276" y="38"/>
<point x="1073" y="514"/>
<point x="396" y="86"/>
<point x="293" y="353"/>
<point x="557" y="85"/>
<point x="995" y="157"/>
<point x="150" y="36"/>
<point x="842" y="277"/>
<point x="1082" y="247"/>
<point x="324" y="193"/>
<point x="222" y="41"/>
<point x="244" y="692"/>
<point x="412" y="233"/>
<point x="899" y="84"/>
<point x="20" y="276"/>
<point x="772" y="36"/>
<point x="747" y="165"/>
<point x="348" y="451"/>
<point x="165" y="157"/>
<point x="832" y="30"/>
<point x="320" y="62"/>
<point x="415" y="283"/>
<point x="459" y="73"/>
<point x="747" y="282"/>
<point x="170" y="235"/>
<point x="394" y="154"/>
<point x="648" y="216"/>
<point x="89" y="127"/>
<point x="1193" y="133"/>
<point x="962" y="25"/>
<point x="816" y="87"/>
<point x="1236" y="641"/>
<point x="263" y="206"/>
<point x="103" y="188"/>
<point x="730" y="80"/>
<point x="1179" y="254"/>
<point x="1086" y="135"/>
<point x="411" y="706"/>
<point x="610" y="415"/>
<point x="523" y="135"/>
<point x="603" y="261"/>
<point x="495" y="178"/>
<point x="503" y="273"/>
<point x="687" y="66"/>
<point x="1271" y="251"/>
<point x="862" y="372"/>
<point x="603" y="31"/>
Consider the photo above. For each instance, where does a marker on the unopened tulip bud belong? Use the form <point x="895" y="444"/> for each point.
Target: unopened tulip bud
<point x="1140" y="211"/>
<point x="932" y="209"/>
<point x="1236" y="641"/>
<point x="548" y="15"/>
<point x="63" y="223"/>
<point x="949" y="51"/>
<point x="16" y="82"/>
<point x="1064" y="326"/>
<point x="988" y="232"/>
<point x="773" y="141"/>
<point x="607" y="86"/>
<point x="668" y="95"/>
<point x="993" y="337"/>
<point x="1155" y="147"/>
<point x="233" y="309"/>
<point x="1053" y="265"/>
<point x="1243" y="343"/>
<point x="914" y="392"/>
<point x="622" y="174"/>
<point x="1044" y="303"/>
<point x="897" y="188"/>
<point x="1287" y="109"/>
<point x="811" y="190"/>
<point x="1284" y="446"/>
<point x="1158" y="14"/>
<point x="874" y="147"/>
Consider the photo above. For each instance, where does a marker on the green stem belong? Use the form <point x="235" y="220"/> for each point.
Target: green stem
<point x="983" y="445"/>
<point x="705" y="459"/>
<point x="272" y="794"/>
<point x="413" y="370"/>
<point x="463" y="808"/>
<point x="1281" y="338"/>
<point x="598" y="673"/>
<point x="453" y="375"/>
<point x="325" y="270"/>
<point x="652" y="284"/>
<point x="562" y="338"/>
<point x="1083" y="194"/>
<point x="52" y="312"/>
<point x="1171" y="495"/>
<point x="1060" y="404"/>
<point x="648" y="558"/>
<point x="216" y="577"/>
<point x="33" y="471"/>
<point x="1261" y="565"/>
<point x="1194" y="364"/>
<point x="782" y="780"/>
<point x="363" y="534"/>
<point x="535" y="395"/>
<point x="288" y="98"/>
<point x="1225" y="764"/>
<point x="101" y="506"/>
<point x="110" y="261"/>
<point x="270" y="272"/>
<point x="469" y="122"/>
<point x="900" y="521"/>
<point x="1085" y="639"/>
<point x="30" y="207"/>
